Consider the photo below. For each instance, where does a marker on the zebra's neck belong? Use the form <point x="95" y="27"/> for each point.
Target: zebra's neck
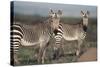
<point x="85" y="24"/>
<point x="85" y="21"/>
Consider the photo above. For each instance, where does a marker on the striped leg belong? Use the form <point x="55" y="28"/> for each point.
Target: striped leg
<point x="14" y="52"/>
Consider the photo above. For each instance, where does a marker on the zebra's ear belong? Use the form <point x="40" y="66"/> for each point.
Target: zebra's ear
<point x="82" y="12"/>
<point x="88" y="12"/>
<point x="60" y="12"/>
<point x="51" y="11"/>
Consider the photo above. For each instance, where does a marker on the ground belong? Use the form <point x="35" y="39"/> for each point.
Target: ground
<point x="89" y="55"/>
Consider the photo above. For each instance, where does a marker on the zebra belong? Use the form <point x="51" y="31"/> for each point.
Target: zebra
<point x="30" y="35"/>
<point x="71" y="32"/>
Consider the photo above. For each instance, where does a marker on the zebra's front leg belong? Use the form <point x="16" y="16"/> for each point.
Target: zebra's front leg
<point x="79" y="47"/>
<point x="14" y="54"/>
<point x="41" y="56"/>
<point x="44" y="52"/>
<point x="62" y="50"/>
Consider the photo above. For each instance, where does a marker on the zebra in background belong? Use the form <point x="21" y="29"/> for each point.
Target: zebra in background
<point x="71" y="32"/>
<point x="30" y="35"/>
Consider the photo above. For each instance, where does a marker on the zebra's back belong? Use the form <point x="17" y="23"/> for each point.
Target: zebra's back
<point x="73" y="31"/>
<point x="29" y="34"/>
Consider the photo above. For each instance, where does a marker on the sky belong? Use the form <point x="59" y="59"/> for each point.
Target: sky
<point x="69" y="10"/>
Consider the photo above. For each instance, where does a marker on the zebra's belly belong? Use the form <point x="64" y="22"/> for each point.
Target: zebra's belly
<point x="27" y="43"/>
<point x="70" y="38"/>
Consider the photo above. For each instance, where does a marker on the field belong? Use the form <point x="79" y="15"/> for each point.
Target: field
<point x="27" y="55"/>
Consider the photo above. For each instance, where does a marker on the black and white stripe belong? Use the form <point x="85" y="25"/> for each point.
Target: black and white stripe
<point x="58" y="34"/>
<point x="16" y="36"/>
<point x="58" y="40"/>
<point x="15" y="41"/>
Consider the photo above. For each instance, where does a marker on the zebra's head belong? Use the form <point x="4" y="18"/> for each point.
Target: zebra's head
<point x="55" y="18"/>
<point x="85" y="16"/>
<point x="55" y="15"/>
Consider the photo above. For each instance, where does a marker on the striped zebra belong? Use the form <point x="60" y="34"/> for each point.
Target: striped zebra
<point x="30" y="35"/>
<point x="71" y="32"/>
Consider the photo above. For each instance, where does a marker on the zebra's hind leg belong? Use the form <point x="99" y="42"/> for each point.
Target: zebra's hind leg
<point x="14" y="59"/>
<point x="57" y="52"/>
<point x="14" y="55"/>
<point x="62" y="50"/>
<point x="79" y="47"/>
